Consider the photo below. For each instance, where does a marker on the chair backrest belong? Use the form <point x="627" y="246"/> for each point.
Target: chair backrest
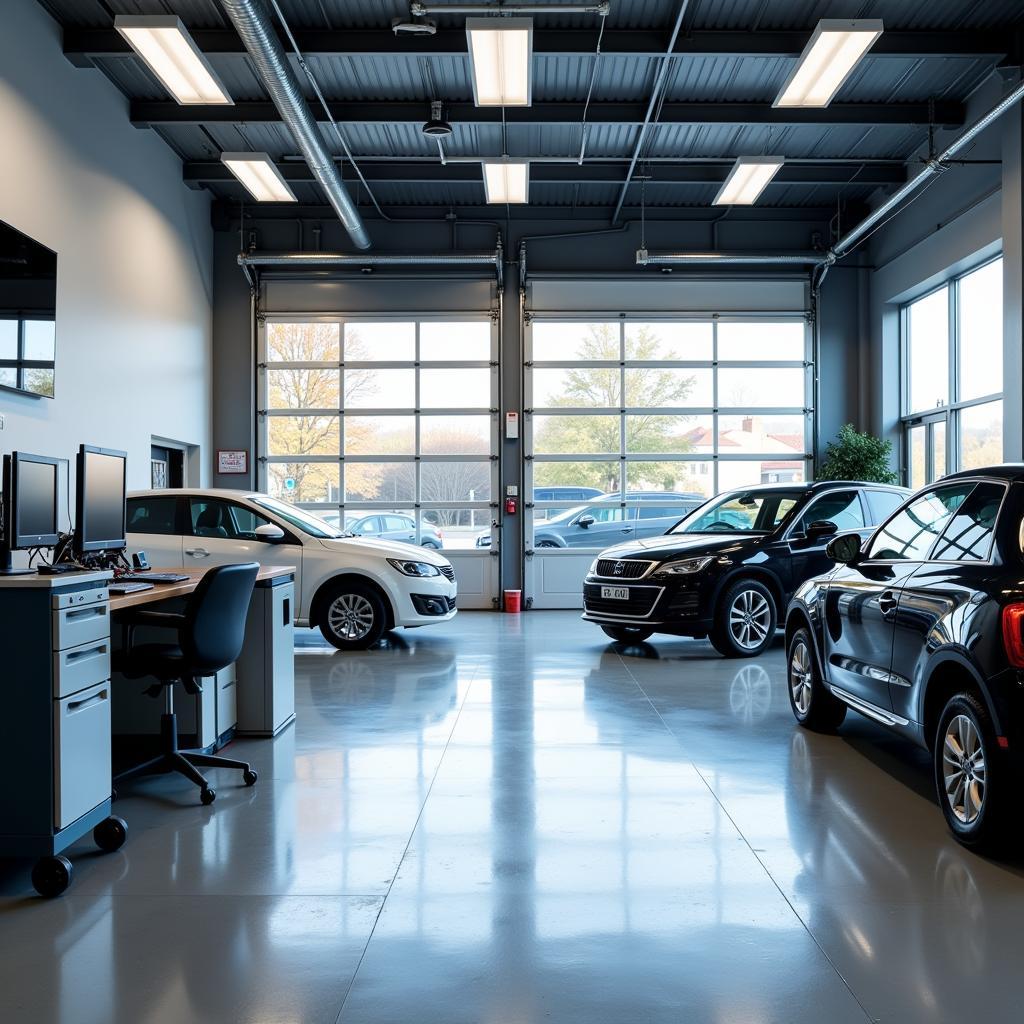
<point x="215" y="617"/>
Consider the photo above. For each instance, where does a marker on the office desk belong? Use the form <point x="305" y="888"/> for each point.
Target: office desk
<point x="167" y="591"/>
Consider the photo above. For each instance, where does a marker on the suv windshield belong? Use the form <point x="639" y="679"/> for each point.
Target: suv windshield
<point x="741" y="512"/>
<point x="298" y="517"/>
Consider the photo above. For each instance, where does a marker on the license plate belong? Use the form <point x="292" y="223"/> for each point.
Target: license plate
<point x="616" y="593"/>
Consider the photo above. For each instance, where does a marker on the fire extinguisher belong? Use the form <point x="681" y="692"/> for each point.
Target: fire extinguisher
<point x="511" y="506"/>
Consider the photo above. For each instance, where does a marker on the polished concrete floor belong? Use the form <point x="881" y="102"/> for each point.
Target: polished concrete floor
<point x="507" y="820"/>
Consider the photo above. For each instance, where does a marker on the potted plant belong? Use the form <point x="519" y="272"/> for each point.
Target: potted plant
<point x="854" y="455"/>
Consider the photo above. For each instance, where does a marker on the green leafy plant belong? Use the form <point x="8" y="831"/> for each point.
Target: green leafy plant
<point x="857" y="456"/>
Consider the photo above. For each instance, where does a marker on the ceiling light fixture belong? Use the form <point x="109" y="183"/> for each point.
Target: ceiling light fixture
<point x="832" y="52"/>
<point x="437" y="126"/>
<point x="506" y="181"/>
<point x="262" y="180"/>
<point x="501" y="55"/>
<point x="747" y="179"/>
<point x="163" y="42"/>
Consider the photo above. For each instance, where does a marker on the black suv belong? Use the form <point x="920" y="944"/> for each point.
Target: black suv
<point x="728" y="569"/>
<point x="922" y="630"/>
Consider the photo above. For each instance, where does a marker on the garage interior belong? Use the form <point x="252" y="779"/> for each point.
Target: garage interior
<point x="651" y="274"/>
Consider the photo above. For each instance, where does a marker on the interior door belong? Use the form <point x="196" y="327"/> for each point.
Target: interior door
<point x="223" y="533"/>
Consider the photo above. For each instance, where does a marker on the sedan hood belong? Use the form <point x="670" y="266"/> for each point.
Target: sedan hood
<point x="684" y="545"/>
<point x="384" y="549"/>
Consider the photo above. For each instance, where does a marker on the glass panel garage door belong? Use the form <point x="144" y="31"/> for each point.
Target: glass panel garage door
<point x="632" y="422"/>
<point x="388" y="429"/>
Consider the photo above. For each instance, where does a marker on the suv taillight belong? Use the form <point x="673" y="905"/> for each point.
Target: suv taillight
<point x="1013" y="634"/>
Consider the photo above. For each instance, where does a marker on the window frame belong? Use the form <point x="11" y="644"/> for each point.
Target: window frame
<point x="950" y="413"/>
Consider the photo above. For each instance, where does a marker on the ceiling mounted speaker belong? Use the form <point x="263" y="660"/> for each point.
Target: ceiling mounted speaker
<point x="424" y="27"/>
<point x="437" y="126"/>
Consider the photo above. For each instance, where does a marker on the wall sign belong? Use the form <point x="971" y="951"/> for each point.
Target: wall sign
<point x="233" y="461"/>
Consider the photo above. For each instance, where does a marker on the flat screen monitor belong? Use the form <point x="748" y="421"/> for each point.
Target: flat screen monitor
<point x="100" y="500"/>
<point x="30" y="501"/>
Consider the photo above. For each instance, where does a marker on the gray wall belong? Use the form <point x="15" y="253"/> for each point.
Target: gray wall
<point x="135" y="257"/>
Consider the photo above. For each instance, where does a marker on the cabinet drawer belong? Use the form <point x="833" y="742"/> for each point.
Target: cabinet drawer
<point x="80" y="624"/>
<point x="81" y="750"/>
<point x="82" y="666"/>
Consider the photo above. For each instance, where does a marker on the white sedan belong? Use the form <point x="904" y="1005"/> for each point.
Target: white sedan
<point x="352" y="588"/>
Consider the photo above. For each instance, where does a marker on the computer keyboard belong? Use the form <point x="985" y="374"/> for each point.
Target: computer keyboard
<point x="128" y="588"/>
<point x="155" y="577"/>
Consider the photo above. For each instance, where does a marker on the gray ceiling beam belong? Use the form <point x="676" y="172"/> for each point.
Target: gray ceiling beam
<point x="81" y="45"/>
<point x="202" y="172"/>
<point x="147" y="113"/>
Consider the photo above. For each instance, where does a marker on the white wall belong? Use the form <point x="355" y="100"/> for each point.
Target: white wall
<point x="135" y="252"/>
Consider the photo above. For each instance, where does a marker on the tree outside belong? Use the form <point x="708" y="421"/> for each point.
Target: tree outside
<point x="645" y="433"/>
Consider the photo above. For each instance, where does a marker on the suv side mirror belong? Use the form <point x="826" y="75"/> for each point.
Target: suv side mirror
<point x="820" y="529"/>
<point x="269" y="533"/>
<point x="586" y="521"/>
<point x="844" y="549"/>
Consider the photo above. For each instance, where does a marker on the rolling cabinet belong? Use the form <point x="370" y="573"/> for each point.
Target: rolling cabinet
<point x="266" y="669"/>
<point x="55" y="729"/>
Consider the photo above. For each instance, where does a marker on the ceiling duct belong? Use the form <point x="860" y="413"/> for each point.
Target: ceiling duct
<point x="417" y="9"/>
<point x="686" y="259"/>
<point x="254" y="25"/>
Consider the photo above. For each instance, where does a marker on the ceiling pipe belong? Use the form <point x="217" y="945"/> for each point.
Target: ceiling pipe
<point x="659" y="81"/>
<point x="254" y="25"/>
<point x="418" y="9"/>
<point x="665" y="259"/>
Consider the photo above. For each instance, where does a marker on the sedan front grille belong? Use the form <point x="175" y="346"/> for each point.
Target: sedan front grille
<point x="621" y="569"/>
<point x="448" y="571"/>
<point x="639" y="604"/>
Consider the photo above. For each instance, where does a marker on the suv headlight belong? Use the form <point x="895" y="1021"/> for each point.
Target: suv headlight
<point x="414" y="568"/>
<point x="687" y="566"/>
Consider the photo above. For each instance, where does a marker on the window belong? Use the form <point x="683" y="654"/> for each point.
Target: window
<point x="395" y="415"/>
<point x="968" y="538"/>
<point x="953" y="377"/>
<point x="882" y="504"/>
<point x="841" y="507"/>
<point x="754" y="512"/>
<point x="641" y="408"/>
<point x="152" y="515"/>
<point x="910" y="533"/>
<point x="214" y="518"/>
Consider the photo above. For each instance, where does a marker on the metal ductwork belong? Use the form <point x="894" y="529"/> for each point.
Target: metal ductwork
<point x="255" y="26"/>
<point x="669" y="259"/>
<point x="417" y="8"/>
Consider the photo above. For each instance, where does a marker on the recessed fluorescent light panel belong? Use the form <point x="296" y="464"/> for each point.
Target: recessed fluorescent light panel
<point x="163" y="42"/>
<point x="747" y="180"/>
<point x="501" y="53"/>
<point x="507" y="181"/>
<point x="832" y="52"/>
<point x="262" y="180"/>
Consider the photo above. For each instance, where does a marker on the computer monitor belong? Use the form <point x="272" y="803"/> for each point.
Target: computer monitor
<point x="30" y="495"/>
<point x="100" y="507"/>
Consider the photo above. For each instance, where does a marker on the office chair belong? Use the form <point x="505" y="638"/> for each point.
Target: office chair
<point x="210" y="635"/>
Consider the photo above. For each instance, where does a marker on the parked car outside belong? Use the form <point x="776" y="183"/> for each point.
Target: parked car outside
<point x="727" y="570"/>
<point x="394" y="526"/>
<point x="921" y="629"/>
<point x="352" y="588"/>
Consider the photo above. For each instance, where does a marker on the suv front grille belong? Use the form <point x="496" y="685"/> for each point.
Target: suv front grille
<point x="639" y="604"/>
<point x="621" y="569"/>
<point x="448" y="571"/>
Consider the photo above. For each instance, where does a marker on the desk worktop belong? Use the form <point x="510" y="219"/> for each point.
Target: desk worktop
<point x="166" y="591"/>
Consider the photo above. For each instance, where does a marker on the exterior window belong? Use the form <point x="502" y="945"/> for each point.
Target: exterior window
<point x="662" y="411"/>
<point x="968" y="538"/>
<point x="394" y="415"/>
<point x="953" y="377"/>
<point x="842" y="508"/>
<point x="152" y="515"/>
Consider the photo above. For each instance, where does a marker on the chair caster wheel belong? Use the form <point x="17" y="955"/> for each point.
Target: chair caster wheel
<point x="110" y="834"/>
<point x="207" y="795"/>
<point x="51" y="876"/>
<point x="249" y="777"/>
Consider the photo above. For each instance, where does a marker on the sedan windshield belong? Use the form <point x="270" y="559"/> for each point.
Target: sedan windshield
<point x="298" y="517"/>
<point x="741" y="512"/>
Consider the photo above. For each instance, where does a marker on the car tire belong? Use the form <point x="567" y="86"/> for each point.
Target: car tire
<point x="975" y="781"/>
<point x="745" y="620"/>
<point x="813" y="704"/>
<point x="431" y="545"/>
<point x="545" y="544"/>
<point x="628" y="634"/>
<point x="353" y="617"/>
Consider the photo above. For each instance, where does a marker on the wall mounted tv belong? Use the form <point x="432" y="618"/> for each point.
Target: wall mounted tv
<point x="28" y="313"/>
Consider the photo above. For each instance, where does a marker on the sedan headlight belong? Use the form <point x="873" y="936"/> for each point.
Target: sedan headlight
<point x="687" y="566"/>
<point x="414" y="568"/>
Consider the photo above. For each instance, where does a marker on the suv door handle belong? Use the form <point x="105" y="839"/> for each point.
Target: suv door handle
<point x="197" y="552"/>
<point x="887" y="602"/>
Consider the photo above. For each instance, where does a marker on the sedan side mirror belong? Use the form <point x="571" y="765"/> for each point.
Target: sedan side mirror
<point x="820" y="529"/>
<point x="844" y="549"/>
<point x="586" y="522"/>
<point x="269" y="533"/>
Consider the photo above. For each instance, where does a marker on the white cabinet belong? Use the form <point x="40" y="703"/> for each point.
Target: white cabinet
<point x="81" y="747"/>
